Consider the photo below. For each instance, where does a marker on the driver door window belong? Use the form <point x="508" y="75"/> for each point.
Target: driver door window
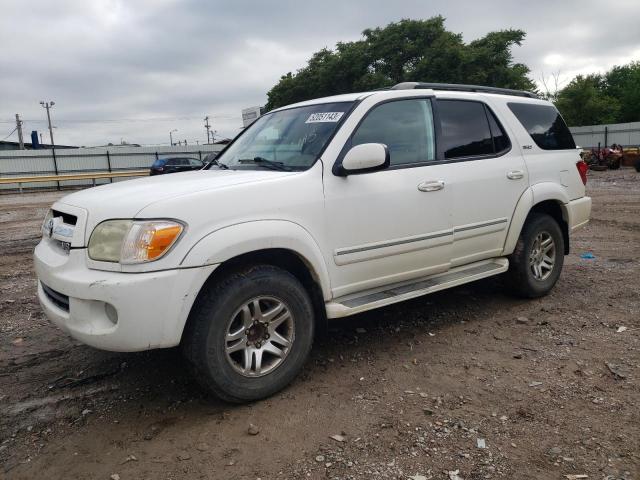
<point x="404" y="126"/>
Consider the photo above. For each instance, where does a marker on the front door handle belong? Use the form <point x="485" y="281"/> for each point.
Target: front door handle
<point x="432" y="186"/>
<point x="515" y="174"/>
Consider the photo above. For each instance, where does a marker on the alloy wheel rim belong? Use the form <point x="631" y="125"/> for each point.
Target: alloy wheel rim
<point x="259" y="336"/>
<point x="542" y="257"/>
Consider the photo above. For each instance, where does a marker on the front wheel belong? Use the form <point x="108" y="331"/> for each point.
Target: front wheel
<point x="250" y="334"/>
<point x="536" y="263"/>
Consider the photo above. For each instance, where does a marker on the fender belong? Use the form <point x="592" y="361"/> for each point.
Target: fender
<point x="229" y="242"/>
<point x="532" y="196"/>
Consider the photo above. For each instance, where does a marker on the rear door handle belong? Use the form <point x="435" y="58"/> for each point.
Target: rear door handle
<point x="431" y="186"/>
<point x="515" y="174"/>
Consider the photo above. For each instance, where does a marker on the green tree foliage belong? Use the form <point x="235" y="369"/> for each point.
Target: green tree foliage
<point x="408" y="50"/>
<point x="584" y="102"/>
<point x="613" y="97"/>
<point x="623" y="84"/>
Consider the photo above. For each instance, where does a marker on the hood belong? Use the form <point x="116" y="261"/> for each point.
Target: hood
<point x="126" y="198"/>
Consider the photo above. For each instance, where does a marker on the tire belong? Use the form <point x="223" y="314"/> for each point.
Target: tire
<point x="224" y="316"/>
<point x="525" y="279"/>
<point x="637" y="165"/>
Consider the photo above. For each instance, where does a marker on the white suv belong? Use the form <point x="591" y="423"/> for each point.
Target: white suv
<point x="318" y="210"/>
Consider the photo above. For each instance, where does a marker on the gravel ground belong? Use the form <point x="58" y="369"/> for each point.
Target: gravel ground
<point x="464" y="384"/>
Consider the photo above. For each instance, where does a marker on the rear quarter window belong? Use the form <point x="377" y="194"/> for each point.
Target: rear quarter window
<point x="544" y="124"/>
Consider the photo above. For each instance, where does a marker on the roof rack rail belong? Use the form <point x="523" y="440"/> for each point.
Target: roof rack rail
<point x="462" y="88"/>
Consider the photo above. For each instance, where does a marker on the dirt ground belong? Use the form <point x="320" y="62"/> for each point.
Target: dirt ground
<point x="550" y="387"/>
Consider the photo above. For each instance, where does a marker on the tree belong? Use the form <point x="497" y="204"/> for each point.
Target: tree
<point x="623" y="83"/>
<point x="584" y="102"/>
<point x="408" y="50"/>
<point x="613" y="97"/>
<point x="550" y="86"/>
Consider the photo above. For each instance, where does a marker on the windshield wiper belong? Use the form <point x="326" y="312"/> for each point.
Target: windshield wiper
<point x="266" y="163"/>
<point x="216" y="163"/>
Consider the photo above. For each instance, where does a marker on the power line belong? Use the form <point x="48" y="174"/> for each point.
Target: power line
<point x="10" y="134"/>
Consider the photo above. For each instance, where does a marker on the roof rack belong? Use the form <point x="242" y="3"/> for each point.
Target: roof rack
<point x="462" y="88"/>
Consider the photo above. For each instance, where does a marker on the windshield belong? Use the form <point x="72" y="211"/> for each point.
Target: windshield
<point x="289" y="139"/>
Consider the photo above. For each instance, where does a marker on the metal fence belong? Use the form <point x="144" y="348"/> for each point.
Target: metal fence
<point x="625" y="134"/>
<point x="19" y="163"/>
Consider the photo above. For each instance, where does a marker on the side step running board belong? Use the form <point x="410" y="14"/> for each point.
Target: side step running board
<point x="370" y="299"/>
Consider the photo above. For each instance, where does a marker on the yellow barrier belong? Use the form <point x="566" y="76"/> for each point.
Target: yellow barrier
<point x="76" y="176"/>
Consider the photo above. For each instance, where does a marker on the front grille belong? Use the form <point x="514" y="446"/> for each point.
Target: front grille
<point x="57" y="298"/>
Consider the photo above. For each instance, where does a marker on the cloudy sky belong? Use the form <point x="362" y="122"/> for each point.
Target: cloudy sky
<point x="135" y="69"/>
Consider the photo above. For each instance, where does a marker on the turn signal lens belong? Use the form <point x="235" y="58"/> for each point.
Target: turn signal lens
<point x="148" y="241"/>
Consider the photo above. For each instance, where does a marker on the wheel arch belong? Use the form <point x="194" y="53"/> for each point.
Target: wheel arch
<point x="250" y="238"/>
<point x="288" y="260"/>
<point x="282" y="244"/>
<point x="546" y="198"/>
<point x="558" y="212"/>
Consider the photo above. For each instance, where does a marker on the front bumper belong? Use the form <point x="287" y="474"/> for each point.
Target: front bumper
<point x="112" y="310"/>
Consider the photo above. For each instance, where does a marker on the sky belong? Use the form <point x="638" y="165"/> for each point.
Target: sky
<point x="133" y="70"/>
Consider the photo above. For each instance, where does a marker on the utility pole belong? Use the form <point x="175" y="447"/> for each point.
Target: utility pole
<point x="207" y="126"/>
<point x="19" y="127"/>
<point x="41" y="142"/>
<point x="48" y="105"/>
<point x="171" y="136"/>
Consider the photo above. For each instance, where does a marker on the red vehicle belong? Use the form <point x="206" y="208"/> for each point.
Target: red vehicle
<point x="605" y="158"/>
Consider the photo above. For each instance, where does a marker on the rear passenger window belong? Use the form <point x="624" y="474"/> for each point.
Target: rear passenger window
<point x="465" y="129"/>
<point x="544" y="124"/>
<point x="404" y="126"/>
<point x="501" y="142"/>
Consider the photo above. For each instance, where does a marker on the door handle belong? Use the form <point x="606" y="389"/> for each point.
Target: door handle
<point x="515" y="174"/>
<point x="432" y="186"/>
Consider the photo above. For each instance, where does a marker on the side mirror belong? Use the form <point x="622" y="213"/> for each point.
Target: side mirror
<point x="363" y="158"/>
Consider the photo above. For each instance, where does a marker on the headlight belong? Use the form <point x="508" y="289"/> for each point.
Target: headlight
<point x="130" y="241"/>
<point x="45" y="223"/>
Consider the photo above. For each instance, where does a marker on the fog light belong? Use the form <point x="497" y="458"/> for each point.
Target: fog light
<point x="112" y="313"/>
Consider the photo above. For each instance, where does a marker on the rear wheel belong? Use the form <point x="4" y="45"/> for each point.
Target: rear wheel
<point x="536" y="263"/>
<point x="250" y="334"/>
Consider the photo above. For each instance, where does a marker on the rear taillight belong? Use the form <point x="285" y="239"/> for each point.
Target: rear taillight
<point x="582" y="170"/>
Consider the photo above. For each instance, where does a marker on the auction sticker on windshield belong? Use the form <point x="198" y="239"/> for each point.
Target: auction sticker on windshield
<point x="324" y="117"/>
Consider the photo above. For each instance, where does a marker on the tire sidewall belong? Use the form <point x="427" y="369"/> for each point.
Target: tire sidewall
<point x="539" y="224"/>
<point x="214" y="315"/>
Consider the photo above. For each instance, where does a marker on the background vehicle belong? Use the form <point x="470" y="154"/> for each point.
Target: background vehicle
<point x="604" y="158"/>
<point x="175" y="164"/>
<point x="318" y="210"/>
<point x="209" y="157"/>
